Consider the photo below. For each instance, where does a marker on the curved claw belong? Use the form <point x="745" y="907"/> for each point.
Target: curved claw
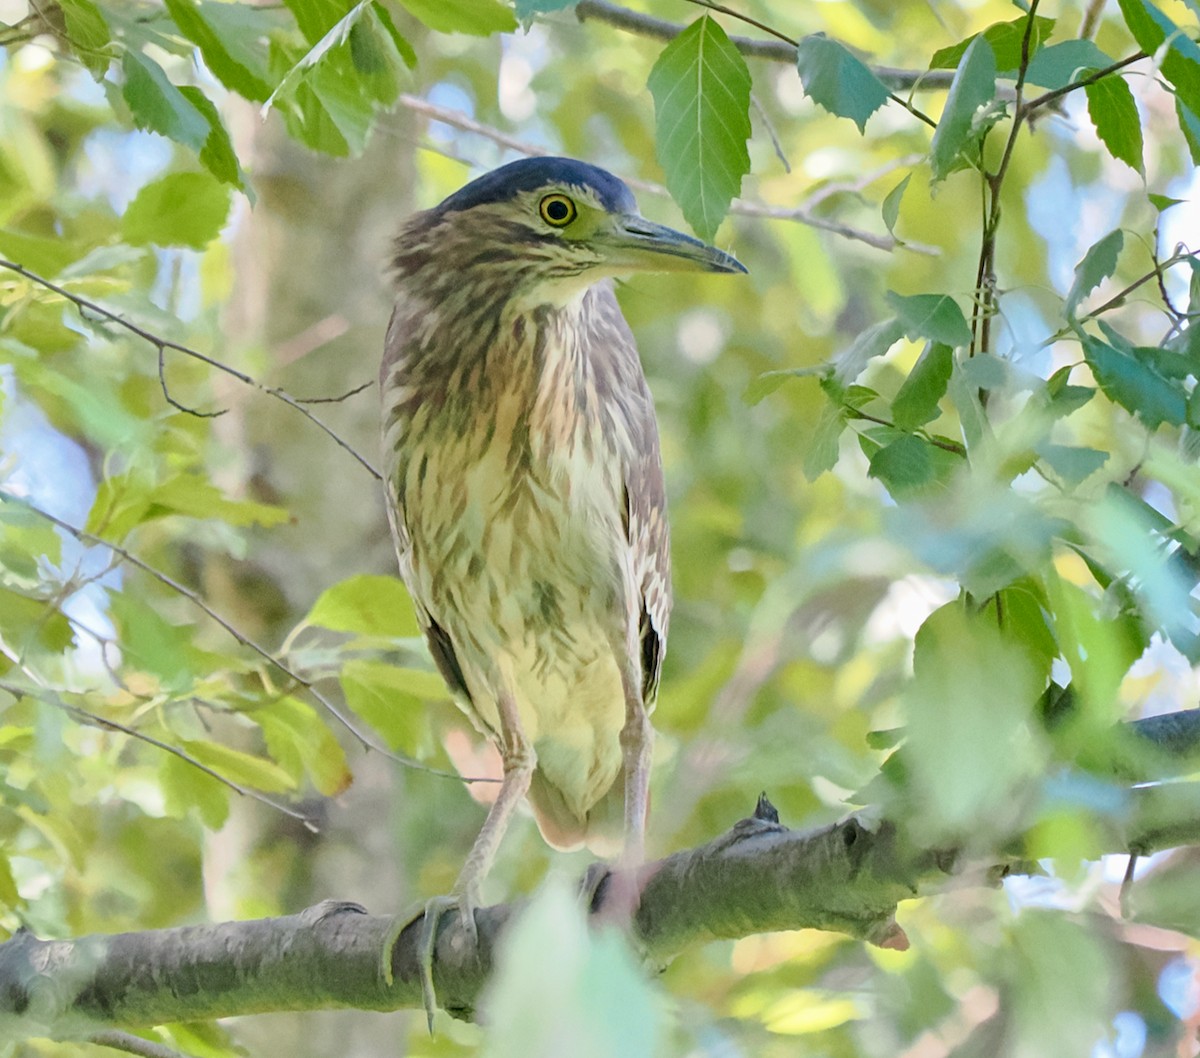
<point x="436" y="909"/>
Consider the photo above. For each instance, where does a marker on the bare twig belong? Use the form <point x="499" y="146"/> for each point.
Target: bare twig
<point x="338" y="399"/>
<point x="131" y="1044"/>
<point x="1049" y="97"/>
<point x="162" y="344"/>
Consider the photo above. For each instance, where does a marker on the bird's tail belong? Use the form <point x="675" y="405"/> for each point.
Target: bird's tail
<point x="600" y="828"/>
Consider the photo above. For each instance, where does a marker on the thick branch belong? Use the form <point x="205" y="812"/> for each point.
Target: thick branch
<point x="760" y="876"/>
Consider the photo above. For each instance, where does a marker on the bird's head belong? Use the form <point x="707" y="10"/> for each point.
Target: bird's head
<point x="549" y="222"/>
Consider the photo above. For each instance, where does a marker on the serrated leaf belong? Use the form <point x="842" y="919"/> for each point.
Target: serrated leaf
<point x="891" y="204"/>
<point x="1059" y="64"/>
<point x="873" y="342"/>
<point x="973" y="87"/>
<point x="1006" y="40"/>
<point x="1136" y="386"/>
<point x="157" y="105"/>
<point x="480" y="18"/>
<point x="822" y="452"/>
<point x="403" y="48"/>
<point x="916" y="403"/>
<point x="366" y="605"/>
<point x="180" y="209"/>
<point x="935" y="317"/>
<point x="1115" y="116"/>
<point x="1180" y="62"/>
<point x="88" y="33"/>
<point x="910" y="466"/>
<point x="217" y="154"/>
<point x="701" y="89"/>
<point x="334" y="36"/>
<point x="1097" y="265"/>
<point x="839" y="81"/>
<point x="233" y="74"/>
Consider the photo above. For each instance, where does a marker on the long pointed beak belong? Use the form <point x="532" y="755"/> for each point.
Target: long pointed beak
<point x="638" y="244"/>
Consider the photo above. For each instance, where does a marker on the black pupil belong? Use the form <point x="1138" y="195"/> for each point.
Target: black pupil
<point x="557" y="209"/>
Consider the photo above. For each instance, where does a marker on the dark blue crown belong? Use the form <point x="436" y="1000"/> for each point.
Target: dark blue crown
<point x="529" y="174"/>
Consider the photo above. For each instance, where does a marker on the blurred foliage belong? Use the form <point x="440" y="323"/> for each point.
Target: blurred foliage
<point x="934" y="460"/>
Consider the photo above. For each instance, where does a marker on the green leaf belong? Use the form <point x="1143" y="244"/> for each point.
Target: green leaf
<point x="297" y="738"/>
<point x="156" y="646"/>
<point x="336" y="35"/>
<point x="875" y="341"/>
<point x="188" y="15"/>
<point x="910" y="466"/>
<point x="916" y="403"/>
<point x="701" y="89"/>
<point x="1097" y="265"/>
<point x="392" y="701"/>
<point x="217" y="154"/>
<point x="26" y="622"/>
<point x="1115" y="116"/>
<point x="891" y="204"/>
<point x="181" y="209"/>
<point x="839" y="81"/>
<point x="936" y="317"/>
<point x="1163" y="202"/>
<point x="186" y="787"/>
<point x="158" y="105"/>
<point x="1006" y="40"/>
<point x="1136" y="386"/>
<point x="822" y="453"/>
<point x="481" y="18"/>
<point x="1059" y="65"/>
<point x="526" y="9"/>
<point x="88" y="33"/>
<point x="1071" y="464"/>
<point x="1189" y="125"/>
<point x="245" y="769"/>
<point x="561" y="988"/>
<point x="366" y="605"/>
<point x="973" y="87"/>
<point x="1180" y="63"/>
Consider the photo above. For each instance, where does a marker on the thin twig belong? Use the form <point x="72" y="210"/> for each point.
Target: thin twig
<point x="161" y="344"/>
<point x="1049" y="97"/>
<point x="771" y="50"/>
<point x="86" y="716"/>
<point x="741" y="17"/>
<point x="131" y="1044"/>
<point x="337" y="400"/>
<point x="84" y="537"/>
<point x="166" y="392"/>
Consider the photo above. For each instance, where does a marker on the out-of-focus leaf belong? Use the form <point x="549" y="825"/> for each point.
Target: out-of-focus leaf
<point x="1006" y="40"/>
<point x="909" y="466"/>
<point x="88" y="33"/>
<point x="837" y="80"/>
<point x="973" y="87"/>
<point x="562" y="988"/>
<point x="1115" y="116"/>
<point x="1097" y="265"/>
<point x="367" y="605"/>
<point x="187" y="788"/>
<point x="917" y="401"/>
<point x="1136" y="386"/>
<point x="701" y="89"/>
<point x="822" y="451"/>
<point x="296" y="736"/>
<point x="480" y="18"/>
<point x="935" y="317"/>
<point x="245" y="769"/>
<point x="26" y="622"/>
<point x="180" y="209"/>
<point x="217" y="154"/>
<point x="526" y="9"/>
<point x="1070" y="463"/>
<point x="891" y="204"/>
<point x="875" y="341"/>
<point x="156" y="104"/>
<point x="392" y="701"/>
<point x="1189" y="125"/>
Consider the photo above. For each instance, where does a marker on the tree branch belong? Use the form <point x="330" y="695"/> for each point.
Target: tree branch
<point x="759" y="876"/>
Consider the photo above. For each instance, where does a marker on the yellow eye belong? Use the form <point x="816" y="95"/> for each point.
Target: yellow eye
<point x="557" y="210"/>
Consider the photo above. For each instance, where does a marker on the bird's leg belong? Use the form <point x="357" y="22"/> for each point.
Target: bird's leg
<point x="519" y="760"/>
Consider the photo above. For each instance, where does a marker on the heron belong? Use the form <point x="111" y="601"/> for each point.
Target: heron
<point x="525" y="493"/>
